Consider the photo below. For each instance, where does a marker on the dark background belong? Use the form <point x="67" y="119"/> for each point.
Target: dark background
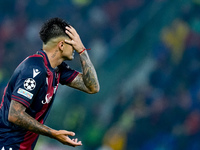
<point x="147" y="56"/>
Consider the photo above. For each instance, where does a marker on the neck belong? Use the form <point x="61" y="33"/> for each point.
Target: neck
<point x="54" y="57"/>
<point x="51" y="48"/>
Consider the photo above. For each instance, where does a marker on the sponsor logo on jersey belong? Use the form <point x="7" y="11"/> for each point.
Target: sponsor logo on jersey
<point x="29" y="84"/>
<point x="47" y="80"/>
<point x="25" y="93"/>
<point x="35" y="72"/>
<point x="47" y="99"/>
<point x="55" y="89"/>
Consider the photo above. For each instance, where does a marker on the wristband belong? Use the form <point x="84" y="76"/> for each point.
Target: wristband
<point x="84" y="50"/>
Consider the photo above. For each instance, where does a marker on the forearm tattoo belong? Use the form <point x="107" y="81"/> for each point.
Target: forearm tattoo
<point x="89" y="73"/>
<point x="22" y="119"/>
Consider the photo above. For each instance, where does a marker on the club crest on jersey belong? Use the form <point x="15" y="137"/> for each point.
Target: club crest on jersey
<point x="29" y="84"/>
<point x="35" y="72"/>
<point x="25" y="93"/>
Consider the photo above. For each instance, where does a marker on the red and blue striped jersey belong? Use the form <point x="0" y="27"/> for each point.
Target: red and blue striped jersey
<point x="34" y="84"/>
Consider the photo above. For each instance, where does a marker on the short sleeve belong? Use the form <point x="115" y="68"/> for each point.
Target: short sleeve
<point x="27" y="85"/>
<point x="67" y="74"/>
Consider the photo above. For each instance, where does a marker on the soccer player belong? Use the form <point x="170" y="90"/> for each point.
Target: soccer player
<point x="31" y="90"/>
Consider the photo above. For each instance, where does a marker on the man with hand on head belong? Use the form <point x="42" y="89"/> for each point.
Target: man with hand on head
<point x="31" y="90"/>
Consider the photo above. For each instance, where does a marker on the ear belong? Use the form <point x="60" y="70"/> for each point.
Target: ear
<point x="61" y="45"/>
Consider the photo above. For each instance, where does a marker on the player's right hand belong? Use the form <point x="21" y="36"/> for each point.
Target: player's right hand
<point x="63" y="137"/>
<point x="74" y="40"/>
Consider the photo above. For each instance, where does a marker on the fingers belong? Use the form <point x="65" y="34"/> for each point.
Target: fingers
<point x="69" y="33"/>
<point x="63" y="137"/>
<point x="74" y="142"/>
<point x="74" y="40"/>
<point x="71" y="42"/>
<point x="71" y="29"/>
<point x="69" y="133"/>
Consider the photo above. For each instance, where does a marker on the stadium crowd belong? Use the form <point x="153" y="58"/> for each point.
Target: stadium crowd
<point x="165" y="113"/>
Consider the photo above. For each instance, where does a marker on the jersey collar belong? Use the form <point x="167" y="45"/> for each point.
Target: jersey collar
<point x="46" y="60"/>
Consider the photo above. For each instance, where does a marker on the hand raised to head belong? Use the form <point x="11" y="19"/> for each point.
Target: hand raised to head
<point x="74" y="40"/>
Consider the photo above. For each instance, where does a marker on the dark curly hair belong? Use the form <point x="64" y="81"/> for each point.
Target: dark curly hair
<point x="52" y="28"/>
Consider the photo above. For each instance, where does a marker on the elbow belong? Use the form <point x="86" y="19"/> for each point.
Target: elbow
<point x="16" y="111"/>
<point x="11" y="118"/>
<point x="95" y="90"/>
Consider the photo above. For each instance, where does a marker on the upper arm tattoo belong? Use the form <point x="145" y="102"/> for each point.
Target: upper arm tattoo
<point x="78" y="83"/>
<point x="16" y="110"/>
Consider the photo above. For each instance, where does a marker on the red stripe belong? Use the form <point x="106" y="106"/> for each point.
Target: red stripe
<point x="45" y="60"/>
<point x="72" y="76"/>
<point x="35" y="55"/>
<point x="22" y="62"/>
<point x="20" y="102"/>
<point x="43" y="110"/>
<point x="21" y="99"/>
<point x="50" y="89"/>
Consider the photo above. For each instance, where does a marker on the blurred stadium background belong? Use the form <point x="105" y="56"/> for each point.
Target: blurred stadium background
<point x="147" y="56"/>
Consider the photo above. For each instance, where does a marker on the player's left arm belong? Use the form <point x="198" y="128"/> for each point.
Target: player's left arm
<point x="86" y="81"/>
